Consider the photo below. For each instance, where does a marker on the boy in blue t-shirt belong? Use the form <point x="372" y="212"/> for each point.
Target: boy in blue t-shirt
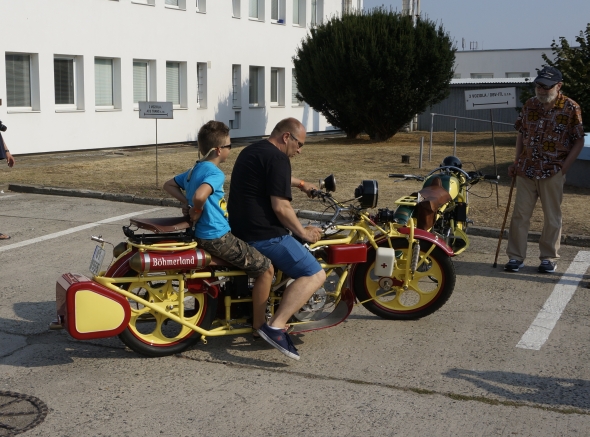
<point x="203" y="199"/>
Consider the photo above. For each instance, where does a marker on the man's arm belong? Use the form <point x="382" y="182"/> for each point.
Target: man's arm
<point x="306" y="187"/>
<point x="573" y="155"/>
<point x="285" y="213"/>
<point x="518" y="151"/>
<point x="9" y="157"/>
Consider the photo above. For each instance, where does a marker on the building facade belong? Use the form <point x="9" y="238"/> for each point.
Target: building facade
<point x="74" y="71"/>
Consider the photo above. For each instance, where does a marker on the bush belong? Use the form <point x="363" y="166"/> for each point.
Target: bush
<point x="373" y="71"/>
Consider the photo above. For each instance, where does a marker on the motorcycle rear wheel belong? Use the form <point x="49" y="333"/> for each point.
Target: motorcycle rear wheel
<point x="155" y="335"/>
<point x="430" y="288"/>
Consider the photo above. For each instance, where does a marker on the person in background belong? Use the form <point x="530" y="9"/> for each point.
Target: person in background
<point x="5" y="154"/>
<point x="550" y="138"/>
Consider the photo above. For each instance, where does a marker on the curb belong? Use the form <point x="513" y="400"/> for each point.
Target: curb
<point x="480" y="231"/>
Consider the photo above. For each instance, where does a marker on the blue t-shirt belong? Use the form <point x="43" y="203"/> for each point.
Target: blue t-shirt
<point x="213" y="221"/>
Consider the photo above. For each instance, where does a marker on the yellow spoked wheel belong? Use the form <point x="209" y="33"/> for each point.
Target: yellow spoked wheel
<point x="154" y="334"/>
<point x="430" y="287"/>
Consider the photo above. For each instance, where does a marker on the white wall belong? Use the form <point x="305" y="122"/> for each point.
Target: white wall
<point x="127" y="31"/>
<point x="500" y="62"/>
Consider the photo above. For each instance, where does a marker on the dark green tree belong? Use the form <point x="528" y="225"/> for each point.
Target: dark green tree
<point x="574" y="64"/>
<point x="373" y="71"/>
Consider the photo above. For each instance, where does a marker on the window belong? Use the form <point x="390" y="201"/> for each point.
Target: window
<point x="144" y="2"/>
<point x="256" y="10"/>
<point x="140" y="82"/>
<point x="202" y="6"/>
<point x="277" y="86"/>
<point x="294" y="90"/>
<point x="236" y="8"/>
<point x="482" y="75"/>
<point x="176" y="84"/>
<point x="107" y="83"/>
<point x="349" y="6"/>
<point x="68" y="82"/>
<point x="22" y="81"/>
<point x="317" y="12"/>
<point x="256" y="86"/>
<point x="519" y="74"/>
<point x="299" y="12"/>
<point x="236" y="85"/>
<point x="456" y="75"/>
<point x="277" y="11"/>
<point x="235" y="123"/>
<point x="201" y="84"/>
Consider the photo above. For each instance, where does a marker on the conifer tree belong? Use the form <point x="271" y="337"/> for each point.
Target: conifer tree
<point x="373" y="71"/>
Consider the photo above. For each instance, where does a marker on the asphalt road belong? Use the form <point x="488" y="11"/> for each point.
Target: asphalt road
<point x="457" y="372"/>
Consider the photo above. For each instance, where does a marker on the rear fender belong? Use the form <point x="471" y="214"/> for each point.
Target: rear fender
<point x="421" y="234"/>
<point x="90" y="310"/>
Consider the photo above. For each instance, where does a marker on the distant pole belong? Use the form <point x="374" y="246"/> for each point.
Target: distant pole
<point x="455" y="140"/>
<point x="494" y="151"/>
<point x="421" y="151"/>
<point x="431" y="130"/>
<point x="157" y="184"/>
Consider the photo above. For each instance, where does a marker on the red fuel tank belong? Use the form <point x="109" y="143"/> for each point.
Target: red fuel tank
<point x="159" y="261"/>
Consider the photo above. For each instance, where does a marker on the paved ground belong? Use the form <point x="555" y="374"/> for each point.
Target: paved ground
<point x="457" y="372"/>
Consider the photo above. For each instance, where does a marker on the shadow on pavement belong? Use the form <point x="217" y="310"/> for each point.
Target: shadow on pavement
<point x="520" y="387"/>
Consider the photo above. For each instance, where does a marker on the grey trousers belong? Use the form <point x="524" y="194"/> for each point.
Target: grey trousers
<point x="550" y="191"/>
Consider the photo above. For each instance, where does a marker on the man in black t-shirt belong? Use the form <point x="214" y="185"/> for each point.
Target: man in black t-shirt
<point x="261" y="214"/>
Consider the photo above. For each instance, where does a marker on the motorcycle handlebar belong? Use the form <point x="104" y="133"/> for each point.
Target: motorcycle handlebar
<point x="404" y="176"/>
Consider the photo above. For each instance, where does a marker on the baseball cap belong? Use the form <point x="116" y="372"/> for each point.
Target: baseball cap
<point x="549" y="76"/>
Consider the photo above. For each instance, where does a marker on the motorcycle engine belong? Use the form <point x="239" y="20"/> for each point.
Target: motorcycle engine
<point x="320" y="300"/>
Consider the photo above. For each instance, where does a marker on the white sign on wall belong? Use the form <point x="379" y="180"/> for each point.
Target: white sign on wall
<point x="155" y="110"/>
<point x="490" y="99"/>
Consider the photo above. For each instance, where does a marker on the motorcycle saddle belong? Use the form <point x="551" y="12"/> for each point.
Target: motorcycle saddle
<point x="430" y="199"/>
<point x="161" y="225"/>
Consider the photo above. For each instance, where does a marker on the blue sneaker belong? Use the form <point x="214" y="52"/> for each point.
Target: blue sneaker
<point x="547" y="266"/>
<point x="280" y="340"/>
<point x="513" y="265"/>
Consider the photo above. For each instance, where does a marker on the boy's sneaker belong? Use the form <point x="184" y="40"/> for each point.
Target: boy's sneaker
<point x="513" y="265"/>
<point x="280" y="340"/>
<point x="547" y="266"/>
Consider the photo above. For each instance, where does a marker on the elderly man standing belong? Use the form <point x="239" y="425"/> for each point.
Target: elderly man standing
<point x="550" y="138"/>
<point x="261" y="214"/>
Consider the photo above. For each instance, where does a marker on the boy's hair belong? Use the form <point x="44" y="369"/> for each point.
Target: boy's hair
<point x="211" y="135"/>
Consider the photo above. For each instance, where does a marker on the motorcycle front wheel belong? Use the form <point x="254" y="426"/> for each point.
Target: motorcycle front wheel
<point x="156" y="335"/>
<point x="431" y="286"/>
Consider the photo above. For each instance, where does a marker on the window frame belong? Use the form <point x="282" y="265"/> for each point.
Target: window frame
<point x="316" y="12"/>
<point x="294" y="90"/>
<point x="201" y="6"/>
<point x="277" y="75"/>
<point x="151" y="86"/>
<point x="301" y="13"/>
<point x="33" y="83"/>
<point x="236" y="72"/>
<point x="182" y="83"/>
<point x="280" y="17"/>
<point x="259" y="10"/>
<point x="115" y="85"/>
<point x="78" y="83"/>
<point x="256" y="87"/>
<point x="236" y="7"/>
<point x="202" y="68"/>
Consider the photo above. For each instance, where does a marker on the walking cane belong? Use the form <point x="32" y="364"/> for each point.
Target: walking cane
<point x="504" y="223"/>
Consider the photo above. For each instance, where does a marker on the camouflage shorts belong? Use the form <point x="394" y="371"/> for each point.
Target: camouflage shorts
<point x="233" y="250"/>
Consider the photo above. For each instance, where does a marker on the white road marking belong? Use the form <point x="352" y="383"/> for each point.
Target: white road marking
<point x="541" y="328"/>
<point x="10" y="195"/>
<point x="72" y="230"/>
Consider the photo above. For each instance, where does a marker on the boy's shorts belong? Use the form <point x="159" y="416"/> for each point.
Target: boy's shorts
<point x="289" y="256"/>
<point x="233" y="250"/>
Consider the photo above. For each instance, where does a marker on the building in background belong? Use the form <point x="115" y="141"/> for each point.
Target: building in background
<point x="74" y="71"/>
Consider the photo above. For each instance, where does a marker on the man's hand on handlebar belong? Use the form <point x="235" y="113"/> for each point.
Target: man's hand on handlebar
<point x="312" y="234"/>
<point x="309" y="189"/>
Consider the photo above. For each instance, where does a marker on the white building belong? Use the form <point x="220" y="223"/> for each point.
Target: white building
<point x="74" y="70"/>
<point x="498" y="64"/>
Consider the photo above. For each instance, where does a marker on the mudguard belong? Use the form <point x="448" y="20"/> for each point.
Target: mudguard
<point x="420" y="234"/>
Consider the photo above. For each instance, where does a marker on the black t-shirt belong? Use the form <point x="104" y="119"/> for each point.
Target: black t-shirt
<point x="260" y="171"/>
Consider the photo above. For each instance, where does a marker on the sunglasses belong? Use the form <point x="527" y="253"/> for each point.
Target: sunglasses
<point x="545" y="87"/>
<point x="226" y="147"/>
<point x="299" y="143"/>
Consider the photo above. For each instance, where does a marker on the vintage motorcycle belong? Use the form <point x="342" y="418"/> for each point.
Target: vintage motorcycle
<point x="161" y="292"/>
<point x="442" y="205"/>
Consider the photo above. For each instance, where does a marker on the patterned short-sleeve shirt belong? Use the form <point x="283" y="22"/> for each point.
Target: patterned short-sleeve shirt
<point x="547" y="136"/>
